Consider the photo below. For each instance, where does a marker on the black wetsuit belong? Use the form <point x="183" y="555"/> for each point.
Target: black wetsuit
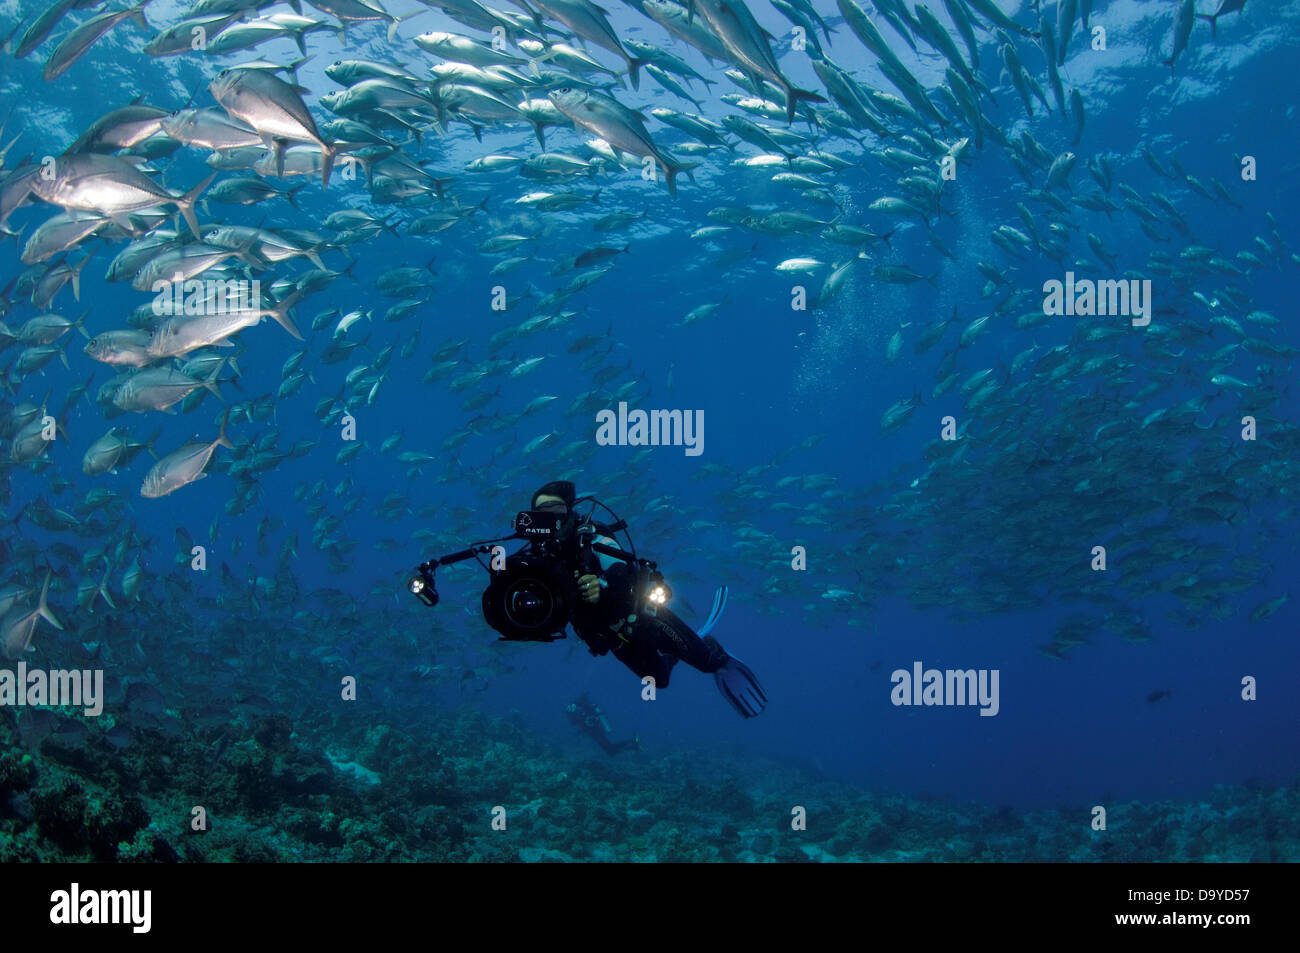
<point x="647" y="640"/>
<point x="651" y="645"/>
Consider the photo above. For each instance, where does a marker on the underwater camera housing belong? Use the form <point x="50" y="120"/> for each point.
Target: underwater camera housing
<point x="542" y="524"/>
<point x="532" y="599"/>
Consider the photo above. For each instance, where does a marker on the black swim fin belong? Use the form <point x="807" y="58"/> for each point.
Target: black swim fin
<point x="740" y="687"/>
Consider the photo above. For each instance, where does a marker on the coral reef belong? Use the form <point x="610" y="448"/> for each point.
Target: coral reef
<point x="271" y="792"/>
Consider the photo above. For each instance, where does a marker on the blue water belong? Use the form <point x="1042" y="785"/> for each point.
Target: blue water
<point x="1069" y="733"/>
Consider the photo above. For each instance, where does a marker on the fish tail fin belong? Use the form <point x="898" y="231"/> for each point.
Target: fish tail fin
<point x="398" y="21"/>
<point x="76" y="276"/>
<point x="281" y="314"/>
<point x="4" y="150"/>
<point x="103" y="584"/>
<point x="186" y="205"/>
<point x="292" y="68"/>
<point x="672" y="169"/>
<point x="211" y="382"/>
<point x="137" y="14"/>
<point x="670" y="175"/>
<point x="634" y="65"/>
<point x="244" y="252"/>
<point x="291" y="195"/>
<point x="1214" y="23"/>
<point x="792" y="97"/>
<point x="43" y="608"/>
<point x="222" y="439"/>
<point x="328" y="152"/>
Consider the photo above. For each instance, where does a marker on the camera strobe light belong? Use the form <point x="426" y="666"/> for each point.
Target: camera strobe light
<point x="423" y="589"/>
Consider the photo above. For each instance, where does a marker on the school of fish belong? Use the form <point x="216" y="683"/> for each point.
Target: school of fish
<point x="585" y="139"/>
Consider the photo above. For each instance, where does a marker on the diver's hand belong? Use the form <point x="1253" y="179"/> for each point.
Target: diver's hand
<point x="589" y="586"/>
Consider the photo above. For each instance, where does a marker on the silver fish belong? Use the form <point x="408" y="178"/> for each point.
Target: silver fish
<point x="1066" y="10"/>
<point x="180" y="38"/>
<point x="747" y="42"/>
<point x="181" y="334"/>
<point x="19" y="625"/>
<point x="1182" y="31"/>
<point x="42" y="25"/>
<point x="120" y="129"/>
<point x="158" y="388"/>
<point x="103" y="455"/>
<point x="616" y="124"/>
<point x="275" y="109"/>
<point x="79" y="40"/>
<point x="59" y="234"/>
<point x="111" y="186"/>
<point x="184" y="466"/>
<point x="588" y="21"/>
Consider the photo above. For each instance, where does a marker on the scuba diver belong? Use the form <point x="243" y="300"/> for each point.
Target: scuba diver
<point x="607" y="620"/>
<point x="586" y="716"/>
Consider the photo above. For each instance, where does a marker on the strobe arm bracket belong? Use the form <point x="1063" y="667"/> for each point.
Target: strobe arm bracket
<point x="615" y="553"/>
<point x="422" y="585"/>
<point x="459" y="557"/>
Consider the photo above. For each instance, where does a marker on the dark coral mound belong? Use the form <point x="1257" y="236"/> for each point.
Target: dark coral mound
<point x="260" y="789"/>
